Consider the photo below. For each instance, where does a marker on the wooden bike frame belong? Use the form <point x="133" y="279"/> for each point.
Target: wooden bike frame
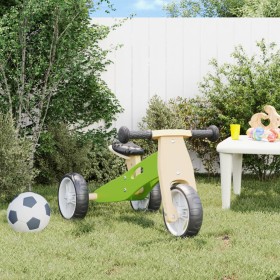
<point x="171" y="165"/>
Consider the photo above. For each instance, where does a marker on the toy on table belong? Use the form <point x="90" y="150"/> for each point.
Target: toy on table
<point x="260" y="132"/>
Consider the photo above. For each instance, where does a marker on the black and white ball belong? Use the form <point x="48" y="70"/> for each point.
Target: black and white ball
<point x="28" y="212"/>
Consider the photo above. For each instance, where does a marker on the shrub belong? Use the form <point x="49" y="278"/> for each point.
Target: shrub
<point x="179" y="113"/>
<point x="104" y="165"/>
<point x="159" y="115"/>
<point x="15" y="173"/>
<point x="62" y="151"/>
<point x="232" y="93"/>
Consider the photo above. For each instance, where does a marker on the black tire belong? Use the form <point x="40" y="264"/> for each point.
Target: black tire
<point x="190" y="211"/>
<point x="151" y="203"/>
<point x="73" y="196"/>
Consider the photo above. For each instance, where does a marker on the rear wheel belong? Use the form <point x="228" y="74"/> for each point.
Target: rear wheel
<point x="151" y="202"/>
<point x="73" y="196"/>
<point x="189" y="208"/>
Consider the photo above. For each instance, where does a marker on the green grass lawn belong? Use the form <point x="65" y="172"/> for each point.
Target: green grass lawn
<point x="114" y="242"/>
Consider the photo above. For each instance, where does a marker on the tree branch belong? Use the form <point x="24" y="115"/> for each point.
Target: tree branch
<point x="46" y="93"/>
<point x="52" y="53"/>
<point x="68" y="25"/>
<point x="54" y="89"/>
<point x="8" y="92"/>
<point x="22" y="74"/>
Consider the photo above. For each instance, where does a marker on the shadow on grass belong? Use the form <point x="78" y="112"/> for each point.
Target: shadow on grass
<point x="139" y="220"/>
<point x="82" y="227"/>
<point x="257" y="195"/>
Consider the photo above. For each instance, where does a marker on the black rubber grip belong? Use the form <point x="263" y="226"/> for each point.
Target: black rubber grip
<point x="124" y="134"/>
<point x="212" y="133"/>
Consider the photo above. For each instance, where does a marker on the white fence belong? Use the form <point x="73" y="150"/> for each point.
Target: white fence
<point x="169" y="57"/>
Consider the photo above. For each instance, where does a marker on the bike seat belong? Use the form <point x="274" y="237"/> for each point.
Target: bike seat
<point x="127" y="149"/>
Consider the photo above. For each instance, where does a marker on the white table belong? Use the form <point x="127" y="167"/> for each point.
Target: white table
<point x="231" y="153"/>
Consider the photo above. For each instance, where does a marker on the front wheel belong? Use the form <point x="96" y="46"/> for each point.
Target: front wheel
<point x="189" y="208"/>
<point x="151" y="202"/>
<point x="73" y="196"/>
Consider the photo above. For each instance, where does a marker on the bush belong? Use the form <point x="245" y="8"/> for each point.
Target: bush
<point x="15" y="173"/>
<point x="104" y="165"/>
<point x="179" y="113"/>
<point x="232" y="94"/>
<point x="159" y="115"/>
<point x="62" y="151"/>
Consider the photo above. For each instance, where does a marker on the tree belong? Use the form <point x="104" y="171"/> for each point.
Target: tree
<point x="50" y="66"/>
<point x="260" y="8"/>
<point x="203" y="8"/>
<point x="226" y="8"/>
<point x="6" y="5"/>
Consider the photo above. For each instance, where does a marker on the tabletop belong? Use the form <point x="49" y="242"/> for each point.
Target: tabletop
<point x="246" y="145"/>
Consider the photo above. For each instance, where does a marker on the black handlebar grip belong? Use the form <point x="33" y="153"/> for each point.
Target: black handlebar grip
<point x="212" y="133"/>
<point x="124" y="134"/>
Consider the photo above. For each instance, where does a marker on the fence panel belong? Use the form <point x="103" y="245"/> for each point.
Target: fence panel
<point x="169" y="57"/>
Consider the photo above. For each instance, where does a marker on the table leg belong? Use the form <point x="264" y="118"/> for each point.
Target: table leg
<point x="236" y="172"/>
<point x="226" y="172"/>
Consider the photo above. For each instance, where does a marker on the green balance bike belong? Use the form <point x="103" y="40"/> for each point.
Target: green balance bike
<point x="166" y="177"/>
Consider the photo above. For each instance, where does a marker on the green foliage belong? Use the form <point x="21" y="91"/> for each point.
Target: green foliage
<point x="194" y="113"/>
<point x="104" y="165"/>
<point x="62" y="151"/>
<point x="62" y="43"/>
<point x="226" y="8"/>
<point x="236" y="91"/>
<point x="159" y="115"/>
<point x="15" y="173"/>
<point x="6" y="5"/>
<point x="184" y="8"/>
<point x="232" y="93"/>
<point x="51" y="64"/>
<point x="179" y="114"/>
<point x="203" y="8"/>
<point x="92" y="102"/>
<point x="260" y="8"/>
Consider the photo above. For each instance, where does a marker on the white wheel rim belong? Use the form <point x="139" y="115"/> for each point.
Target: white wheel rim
<point x="141" y="204"/>
<point x="180" y="202"/>
<point x="67" y="198"/>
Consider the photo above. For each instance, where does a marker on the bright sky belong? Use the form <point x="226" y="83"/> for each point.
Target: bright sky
<point x="141" y="8"/>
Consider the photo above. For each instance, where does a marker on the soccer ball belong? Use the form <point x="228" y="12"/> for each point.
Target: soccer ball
<point x="28" y="212"/>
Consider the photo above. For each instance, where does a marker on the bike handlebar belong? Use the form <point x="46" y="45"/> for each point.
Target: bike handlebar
<point x="124" y="134"/>
<point x="212" y="133"/>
